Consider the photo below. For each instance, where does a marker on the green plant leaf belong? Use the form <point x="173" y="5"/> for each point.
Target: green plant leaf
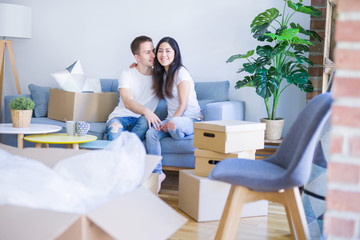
<point x="250" y="67"/>
<point x="21" y="103"/>
<point x="247" y="82"/>
<point x="262" y="21"/>
<point x="240" y="56"/>
<point x="297" y="40"/>
<point x="264" y="51"/>
<point x="299" y="7"/>
<point x="287" y="34"/>
<point x="265" y="84"/>
<point x="265" y="37"/>
<point x="301" y="47"/>
<point x="310" y="33"/>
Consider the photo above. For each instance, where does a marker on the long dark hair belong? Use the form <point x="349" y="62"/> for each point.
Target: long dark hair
<point x="159" y="70"/>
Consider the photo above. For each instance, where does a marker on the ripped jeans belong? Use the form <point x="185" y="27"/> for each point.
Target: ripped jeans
<point x="139" y="126"/>
<point x="184" y="127"/>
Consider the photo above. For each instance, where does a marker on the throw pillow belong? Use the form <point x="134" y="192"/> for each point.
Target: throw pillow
<point x="92" y="85"/>
<point x="71" y="79"/>
<point x="40" y="96"/>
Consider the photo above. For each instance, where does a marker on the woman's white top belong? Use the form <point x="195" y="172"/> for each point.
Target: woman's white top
<point x="193" y="108"/>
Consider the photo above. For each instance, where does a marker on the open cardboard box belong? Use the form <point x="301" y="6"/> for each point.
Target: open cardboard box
<point x="139" y="214"/>
<point x="74" y="106"/>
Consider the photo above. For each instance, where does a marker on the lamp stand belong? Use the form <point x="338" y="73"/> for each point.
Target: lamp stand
<point x="3" y="44"/>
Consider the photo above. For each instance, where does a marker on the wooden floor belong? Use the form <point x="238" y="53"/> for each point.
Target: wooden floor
<point x="273" y="226"/>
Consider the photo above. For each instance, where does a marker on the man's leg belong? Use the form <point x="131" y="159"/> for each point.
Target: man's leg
<point x="140" y="127"/>
<point x="115" y="126"/>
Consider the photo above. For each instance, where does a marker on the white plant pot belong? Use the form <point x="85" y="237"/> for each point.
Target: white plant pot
<point x="274" y="128"/>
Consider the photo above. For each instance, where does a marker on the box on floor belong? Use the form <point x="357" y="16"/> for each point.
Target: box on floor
<point x="139" y="214"/>
<point x="227" y="136"/>
<point x="206" y="160"/>
<point x="204" y="199"/>
<point x="75" y="106"/>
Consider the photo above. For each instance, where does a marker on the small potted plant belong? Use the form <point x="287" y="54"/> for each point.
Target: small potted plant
<point x="21" y="111"/>
<point x="281" y="58"/>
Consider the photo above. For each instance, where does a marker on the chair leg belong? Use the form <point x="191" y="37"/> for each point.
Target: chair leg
<point x="290" y="221"/>
<point x="231" y="216"/>
<point x="297" y="214"/>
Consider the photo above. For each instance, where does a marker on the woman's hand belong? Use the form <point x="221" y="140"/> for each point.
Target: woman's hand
<point x="164" y="127"/>
<point x="133" y="65"/>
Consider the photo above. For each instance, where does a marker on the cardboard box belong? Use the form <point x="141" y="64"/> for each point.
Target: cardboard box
<point x="135" y="215"/>
<point x="74" y="106"/>
<point x="206" y="160"/>
<point x="228" y="136"/>
<point x="204" y="199"/>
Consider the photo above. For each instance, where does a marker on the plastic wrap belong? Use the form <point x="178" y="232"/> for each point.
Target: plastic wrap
<point x="76" y="184"/>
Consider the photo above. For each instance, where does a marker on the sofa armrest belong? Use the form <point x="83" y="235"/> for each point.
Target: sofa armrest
<point x="7" y="100"/>
<point x="227" y="110"/>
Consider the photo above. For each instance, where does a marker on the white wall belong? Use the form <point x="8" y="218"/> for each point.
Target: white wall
<point x="99" y="33"/>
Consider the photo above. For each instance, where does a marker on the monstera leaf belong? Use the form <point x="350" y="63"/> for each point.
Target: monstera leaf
<point x="299" y="7"/>
<point x="262" y="21"/>
<point x="247" y="82"/>
<point x="240" y="56"/>
<point x="287" y="34"/>
<point x="310" y="33"/>
<point x="264" y="82"/>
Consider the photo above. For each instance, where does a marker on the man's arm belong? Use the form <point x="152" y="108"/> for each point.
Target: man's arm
<point x="135" y="107"/>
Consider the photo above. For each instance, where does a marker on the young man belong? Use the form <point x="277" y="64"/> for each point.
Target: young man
<point x="137" y="103"/>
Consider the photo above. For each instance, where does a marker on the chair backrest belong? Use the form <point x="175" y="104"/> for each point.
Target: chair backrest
<point x="296" y="152"/>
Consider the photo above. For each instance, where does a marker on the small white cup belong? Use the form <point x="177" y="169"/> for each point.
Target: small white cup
<point x="71" y="128"/>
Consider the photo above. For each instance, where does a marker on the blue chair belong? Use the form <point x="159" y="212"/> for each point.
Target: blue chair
<point x="278" y="177"/>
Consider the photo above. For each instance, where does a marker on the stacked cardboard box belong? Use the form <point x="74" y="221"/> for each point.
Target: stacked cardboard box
<point x="202" y="198"/>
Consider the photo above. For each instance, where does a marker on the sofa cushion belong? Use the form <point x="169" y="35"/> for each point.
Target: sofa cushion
<point x="185" y="145"/>
<point x="217" y="91"/>
<point x="40" y="95"/>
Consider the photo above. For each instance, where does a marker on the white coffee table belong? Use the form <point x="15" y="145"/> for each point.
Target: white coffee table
<point x="7" y="128"/>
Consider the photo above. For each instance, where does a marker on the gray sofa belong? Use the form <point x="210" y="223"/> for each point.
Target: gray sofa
<point x="212" y="97"/>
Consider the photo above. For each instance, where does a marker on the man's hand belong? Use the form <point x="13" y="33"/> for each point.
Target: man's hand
<point x="153" y="119"/>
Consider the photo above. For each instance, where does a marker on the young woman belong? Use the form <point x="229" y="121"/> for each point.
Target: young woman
<point x="172" y="81"/>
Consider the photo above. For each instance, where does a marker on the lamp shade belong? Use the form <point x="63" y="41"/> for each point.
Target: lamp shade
<point x="15" y="21"/>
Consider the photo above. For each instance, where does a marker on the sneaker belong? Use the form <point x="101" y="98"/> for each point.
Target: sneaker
<point x="162" y="177"/>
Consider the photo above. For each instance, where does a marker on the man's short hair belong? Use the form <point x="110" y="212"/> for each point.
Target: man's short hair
<point x="135" y="44"/>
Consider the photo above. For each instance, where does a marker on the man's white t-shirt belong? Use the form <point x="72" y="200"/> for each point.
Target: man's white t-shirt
<point x="193" y="108"/>
<point x="141" y="89"/>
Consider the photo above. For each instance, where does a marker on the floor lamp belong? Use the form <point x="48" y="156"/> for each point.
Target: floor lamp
<point x="15" y="22"/>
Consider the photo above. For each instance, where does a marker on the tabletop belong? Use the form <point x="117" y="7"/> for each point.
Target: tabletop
<point x="59" y="138"/>
<point x="7" y="128"/>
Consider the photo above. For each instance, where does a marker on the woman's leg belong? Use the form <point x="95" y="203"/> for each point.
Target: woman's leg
<point x="179" y="127"/>
<point x="153" y="147"/>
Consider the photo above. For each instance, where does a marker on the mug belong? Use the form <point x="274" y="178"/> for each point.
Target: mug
<point x="82" y="128"/>
<point x="71" y="128"/>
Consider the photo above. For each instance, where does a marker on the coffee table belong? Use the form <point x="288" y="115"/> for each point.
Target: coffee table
<point x="59" y="138"/>
<point x="7" y="128"/>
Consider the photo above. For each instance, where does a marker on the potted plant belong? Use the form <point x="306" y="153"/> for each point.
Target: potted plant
<point x="283" y="56"/>
<point x="21" y="111"/>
